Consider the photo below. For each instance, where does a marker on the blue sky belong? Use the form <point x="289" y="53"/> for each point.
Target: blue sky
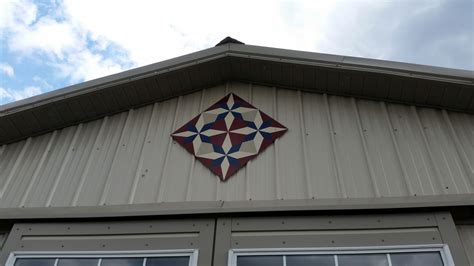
<point x="49" y="44"/>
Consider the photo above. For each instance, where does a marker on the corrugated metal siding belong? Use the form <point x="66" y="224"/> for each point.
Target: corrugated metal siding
<point x="3" y="237"/>
<point x="466" y="232"/>
<point x="336" y="147"/>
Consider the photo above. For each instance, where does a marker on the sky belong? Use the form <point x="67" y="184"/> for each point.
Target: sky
<point x="50" y="44"/>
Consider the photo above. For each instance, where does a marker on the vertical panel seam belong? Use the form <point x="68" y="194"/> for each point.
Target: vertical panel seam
<point x="428" y="148"/>
<point x="334" y="148"/>
<point x="63" y="166"/>
<point x="437" y="124"/>
<point x="397" y="149"/>
<point x="193" y="158"/>
<point x="277" y="170"/>
<point x="15" y="166"/>
<point x="469" y="170"/>
<point x="309" y="186"/>
<point x="133" y="190"/>
<point x="38" y="169"/>
<point x="159" y="196"/>
<point x="89" y="162"/>
<point x="413" y="153"/>
<point x="105" y="190"/>
<point x="247" y="176"/>
<point x="365" y="149"/>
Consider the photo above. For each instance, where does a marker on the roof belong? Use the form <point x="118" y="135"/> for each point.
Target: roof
<point x="411" y="84"/>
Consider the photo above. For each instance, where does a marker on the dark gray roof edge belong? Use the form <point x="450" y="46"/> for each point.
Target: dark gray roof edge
<point x="248" y="51"/>
<point x="229" y="207"/>
<point x="364" y="64"/>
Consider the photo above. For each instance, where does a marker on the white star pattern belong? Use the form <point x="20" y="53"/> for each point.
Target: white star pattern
<point x="227" y="135"/>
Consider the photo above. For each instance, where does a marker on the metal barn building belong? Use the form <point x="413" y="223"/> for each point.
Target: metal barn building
<point x="242" y="155"/>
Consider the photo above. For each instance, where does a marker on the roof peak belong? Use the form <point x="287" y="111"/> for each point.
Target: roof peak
<point x="229" y="39"/>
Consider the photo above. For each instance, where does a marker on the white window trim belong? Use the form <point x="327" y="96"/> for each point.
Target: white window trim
<point x="442" y="249"/>
<point x="191" y="253"/>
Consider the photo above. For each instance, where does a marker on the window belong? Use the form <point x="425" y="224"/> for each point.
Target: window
<point x="157" y="258"/>
<point x="437" y="255"/>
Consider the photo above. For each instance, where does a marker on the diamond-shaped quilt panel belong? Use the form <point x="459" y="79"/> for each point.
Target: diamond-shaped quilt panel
<point x="228" y="134"/>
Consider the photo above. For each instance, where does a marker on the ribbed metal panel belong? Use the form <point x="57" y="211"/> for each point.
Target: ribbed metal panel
<point x="466" y="232"/>
<point x="336" y="147"/>
<point x="3" y="237"/>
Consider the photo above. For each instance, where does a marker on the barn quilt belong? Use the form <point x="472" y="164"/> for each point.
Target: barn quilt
<point x="228" y="134"/>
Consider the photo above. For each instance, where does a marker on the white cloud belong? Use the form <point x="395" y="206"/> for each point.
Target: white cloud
<point x="9" y="95"/>
<point x="85" y="65"/>
<point x="16" y="13"/>
<point x="155" y="30"/>
<point x="7" y="69"/>
<point x="87" y="39"/>
<point x="55" y="40"/>
<point x="48" y="36"/>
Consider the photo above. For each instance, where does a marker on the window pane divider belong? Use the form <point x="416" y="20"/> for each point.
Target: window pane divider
<point x="389" y="259"/>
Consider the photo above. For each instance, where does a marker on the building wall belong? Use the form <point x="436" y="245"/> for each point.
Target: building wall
<point x="466" y="232"/>
<point x="214" y="237"/>
<point x="336" y="147"/>
<point x="118" y="236"/>
<point x="3" y="237"/>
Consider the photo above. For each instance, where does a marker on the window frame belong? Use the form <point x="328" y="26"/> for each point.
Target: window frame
<point x="441" y="248"/>
<point x="191" y="253"/>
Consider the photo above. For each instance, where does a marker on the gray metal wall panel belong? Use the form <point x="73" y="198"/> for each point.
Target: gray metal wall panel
<point x="337" y="231"/>
<point x="336" y="147"/>
<point x="113" y="236"/>
<point x="3" y="237"/>
<point x="466" y="232"/>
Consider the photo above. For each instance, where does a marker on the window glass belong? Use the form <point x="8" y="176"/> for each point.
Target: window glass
<point x="122" y="262"/>
<point x="78" y="262"/>
<point x="363" y="260"/>
<point x="168" y="261"/>
<point x="260" y="260"/>
<point x="415" y="259"/>
<point x="310" y="260"/>
<point x="35" y="262"/>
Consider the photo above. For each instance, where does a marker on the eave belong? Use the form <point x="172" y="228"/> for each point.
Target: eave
<point x="410" y="84"/>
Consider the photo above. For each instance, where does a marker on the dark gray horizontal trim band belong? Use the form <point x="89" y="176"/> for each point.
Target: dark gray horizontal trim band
<point x="224" y="207"/>
<point x="418" y="85"/>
